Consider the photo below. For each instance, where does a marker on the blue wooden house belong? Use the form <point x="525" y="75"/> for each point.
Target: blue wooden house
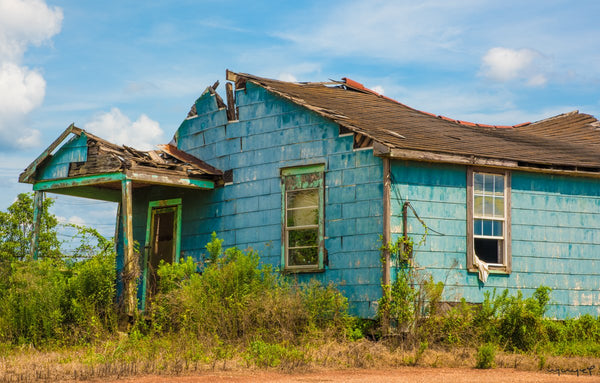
<point x="317" y="176"/>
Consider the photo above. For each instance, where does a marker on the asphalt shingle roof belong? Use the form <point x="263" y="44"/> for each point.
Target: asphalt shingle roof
<point x="570" y="140"/>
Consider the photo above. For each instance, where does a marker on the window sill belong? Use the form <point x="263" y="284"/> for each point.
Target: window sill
<point x="302" y="270"/>
<point x="501" y="270"/>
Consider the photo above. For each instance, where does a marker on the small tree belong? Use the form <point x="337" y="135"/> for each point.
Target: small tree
<point x="16" y="230"/>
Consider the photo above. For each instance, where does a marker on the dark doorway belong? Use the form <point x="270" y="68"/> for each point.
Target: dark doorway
<point x="162" y="244"/>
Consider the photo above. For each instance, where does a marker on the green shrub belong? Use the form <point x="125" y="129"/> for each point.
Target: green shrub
<point x="33" y="308"/>
<point x="325" y="305"/>
<point x="485" y="356"/>
<point x="236" y="298"/>
<point x="58" y="302"/>
<point x="264" y="354"/>
<point x="173" y="275"/>
<point x="513" y="321"/>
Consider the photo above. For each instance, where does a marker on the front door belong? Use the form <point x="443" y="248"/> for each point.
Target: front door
<point x="162" y="243"/>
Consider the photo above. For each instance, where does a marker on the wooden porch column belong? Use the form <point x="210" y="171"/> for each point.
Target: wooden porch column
<point x="129" y="266"/>
<point x="38" y="199"/>
<point x="386" y="237"/>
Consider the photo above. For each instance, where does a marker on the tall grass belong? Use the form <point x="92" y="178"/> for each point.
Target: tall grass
<point x="237" y="298"/>
<point x="54" y="301"/>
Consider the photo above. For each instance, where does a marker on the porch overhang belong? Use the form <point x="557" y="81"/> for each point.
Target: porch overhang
<point x="107" y="187"/>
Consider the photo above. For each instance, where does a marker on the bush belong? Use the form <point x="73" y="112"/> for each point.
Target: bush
<point x="52" y="301"/>
<point x="238" y="298"/>
<point x="485" y="356"/>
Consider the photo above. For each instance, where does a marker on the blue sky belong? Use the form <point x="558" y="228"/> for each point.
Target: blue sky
<point x="129" y="71"/>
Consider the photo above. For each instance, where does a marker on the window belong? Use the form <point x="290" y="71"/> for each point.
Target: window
<point x="488" y="232"/>
<point x="302" y="217"/>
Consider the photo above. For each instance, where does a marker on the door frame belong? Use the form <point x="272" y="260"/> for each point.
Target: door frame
<point x="152" y="206"/>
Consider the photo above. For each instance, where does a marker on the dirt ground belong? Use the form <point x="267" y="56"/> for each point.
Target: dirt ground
<point x="403" y="374"/>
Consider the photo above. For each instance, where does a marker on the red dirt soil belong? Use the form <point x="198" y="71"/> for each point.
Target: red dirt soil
<point x="402" y="374"/>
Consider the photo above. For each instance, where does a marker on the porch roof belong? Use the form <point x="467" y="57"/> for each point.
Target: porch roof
<point x="82" y="164"/>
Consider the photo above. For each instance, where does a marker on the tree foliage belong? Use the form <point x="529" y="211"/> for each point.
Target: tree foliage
<point x="16" y="230"/>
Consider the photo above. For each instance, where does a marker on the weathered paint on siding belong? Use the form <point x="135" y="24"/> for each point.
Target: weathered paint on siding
<point x="555" y="234"/>
<point x="270" y="134"/>
<point x="58" y="166"/>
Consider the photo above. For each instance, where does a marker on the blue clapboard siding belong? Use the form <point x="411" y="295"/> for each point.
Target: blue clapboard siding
<point x="555" y="234"/>
<point x="272" y="134"/>
<point x="75" y="150"/>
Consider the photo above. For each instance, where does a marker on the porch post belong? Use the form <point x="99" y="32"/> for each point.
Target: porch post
<point x="386" y="238"/>
<point x="129" y="265"/>
<point x="38" y="199"/>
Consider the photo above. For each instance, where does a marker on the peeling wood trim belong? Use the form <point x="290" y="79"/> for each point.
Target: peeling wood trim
<point x="30" y="170"/>
<point x="386" y="238"/>
<point x="38" y="205"/>
<point x="169" y="181"/>
<point x="188" y="158"/>
<point x="231" y="110"/>
<point x="128" y="174"/>
<point x="150" y="233"/>
<point x="78" y="181"/>
<point x="231" y="76"/>
<point x="419" y="155"/>
<point x="128" y="250"/>
<point x="381" y="150"/>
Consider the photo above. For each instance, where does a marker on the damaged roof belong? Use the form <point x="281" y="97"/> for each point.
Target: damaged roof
<point x="105" y="157"/>
<point x="569" y="141"/>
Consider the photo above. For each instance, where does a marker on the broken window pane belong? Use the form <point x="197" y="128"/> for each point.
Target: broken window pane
<point x="306" y="237"/>
<point x="303" y="256"/>
<point x="489" y="250"/>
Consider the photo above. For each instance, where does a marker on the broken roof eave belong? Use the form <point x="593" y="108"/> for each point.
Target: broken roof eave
<point x="135" y="176"/>
<point x="108" y="186"/>
<point x="141" y="168"/>
<point x="381" y="150"/>
<point x="28" y="174"/>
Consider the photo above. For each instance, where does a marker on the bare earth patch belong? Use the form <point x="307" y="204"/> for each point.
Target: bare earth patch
<point x="402" y="374"/>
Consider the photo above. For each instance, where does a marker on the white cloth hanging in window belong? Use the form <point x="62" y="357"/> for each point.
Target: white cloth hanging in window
<point x="484" y="271"/>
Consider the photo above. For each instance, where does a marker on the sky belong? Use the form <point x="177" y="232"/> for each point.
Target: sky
<point x="130" y="71"/>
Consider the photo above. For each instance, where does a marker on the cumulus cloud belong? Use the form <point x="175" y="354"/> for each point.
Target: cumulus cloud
<point x="393" y="30"/>
<point x="379" y="89"/>
<point x="22" y="23"/>
<point x="74" y="220"/>
<point x="287" y="77"/>
<point x="114" y="126"/>
<point x="25" y="22"/>
<point x="504" y="64"/>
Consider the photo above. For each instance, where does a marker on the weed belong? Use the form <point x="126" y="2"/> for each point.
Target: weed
<point x="486" y="355"/>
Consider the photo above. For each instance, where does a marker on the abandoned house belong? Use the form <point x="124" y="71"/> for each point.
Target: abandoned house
<point x="316" y="176"/>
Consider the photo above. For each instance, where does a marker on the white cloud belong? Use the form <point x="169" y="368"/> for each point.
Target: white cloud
<point x="393" y="30"/>
<point x="74" y="220"/>
<point x="25" y="22"/>
<point x="379" y="89"/>
<point x="114" y="126"/>
<point x="21" y="89"/>
<point x="22" y="23"/>
<point x="504" y="64"/>
<point x="287" y="77"/>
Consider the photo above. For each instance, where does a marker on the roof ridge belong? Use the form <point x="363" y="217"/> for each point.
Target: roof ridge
<point x="562" y="115"/>
<point x="360" y="87"/>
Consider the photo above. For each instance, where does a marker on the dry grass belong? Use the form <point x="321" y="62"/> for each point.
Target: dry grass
<point x="172" y="357"/>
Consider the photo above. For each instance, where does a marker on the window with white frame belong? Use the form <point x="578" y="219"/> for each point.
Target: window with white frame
<point x="489" y="218"/>
<point x="302" y="217"/>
